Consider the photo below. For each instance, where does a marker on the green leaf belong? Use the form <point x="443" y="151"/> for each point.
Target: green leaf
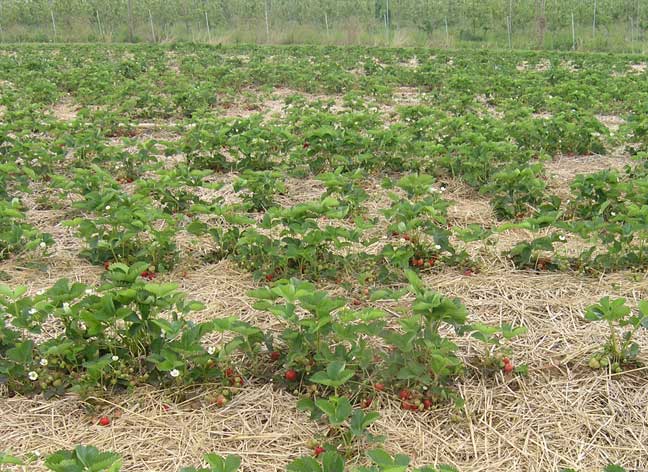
<point x="160" y="290"/>
<point x="8" y="459"/>
<point x="380" y="457"/>
<point x="332" y="462"/>
<point x="614" y="468"/>
<point x="219" y="464"/>
<point x="304" y="464"/>
<point x="84" y="458"/>
<point x="21" y="353"/>
<point x="338" y="409"/>
<point x="360" y="421"/>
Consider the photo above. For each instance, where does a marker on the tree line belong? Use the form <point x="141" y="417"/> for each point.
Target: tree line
<point x="555" y="24"/>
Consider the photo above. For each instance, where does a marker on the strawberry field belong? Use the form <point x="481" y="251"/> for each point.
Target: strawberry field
<point x="322" y="259"/>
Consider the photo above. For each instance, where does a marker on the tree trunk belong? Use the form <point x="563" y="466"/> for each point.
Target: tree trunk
<point x="53" y="20"/>
<point x="594" y="20"/>
<point x="152" y="27"/>
<point x="131" y="33"/>
<point x="541" y="21"/>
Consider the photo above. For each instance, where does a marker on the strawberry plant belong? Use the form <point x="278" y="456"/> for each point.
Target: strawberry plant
<point x="514" y="191"/>
<point x="421" y="357"/>
<point x="493" y="338"/>
<point x="258" y="188"/>
<point x="620" y="348"/>
<point x="347" y="426"/>
<point x="531" y="254"/>
<point x="329" y="342"/>
<point x="126" y="229"/>
<point x="303" y="247"/>
<point x="16" y="235"/>
<point x="171" y="188"/>
<point x="419" y="219"/>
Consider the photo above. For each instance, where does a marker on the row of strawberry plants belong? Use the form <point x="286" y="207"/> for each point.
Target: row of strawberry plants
<point x="90" y="458"/>
<point x="141" y="79"/>
<point x="130" y="331"/>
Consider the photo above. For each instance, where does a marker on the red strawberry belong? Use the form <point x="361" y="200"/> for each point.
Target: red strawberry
<point x="165" y="408"/>
<point x="106" y="265"/>
<point x="318" y="450"/>
<point x="306" y="145"/>
<point x="404" y="394"/>
<point x="269" y="277"/>
<point x="229" y="372"/>
<point x="406" y="237"/>
<point x="427" y="403"/>
<point x="366" y="403"/>
<point x="506" y="360"/>
<point x="104" y="421"/>
<point x="407" y="405"/>
<point x="290" y="375"/>
<point x="275" y="355"/>
<point x="379" y="387"/>
<point x="508" y="368"/>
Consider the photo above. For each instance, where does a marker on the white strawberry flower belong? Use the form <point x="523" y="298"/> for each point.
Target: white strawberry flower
<point x="42" y="244"/>
<point x="43" y="362"/>
<point x="33" y="311"/>
<point x="437" y="247"/>
<point x="33" y="376"/>
<point x="174" y="373"/>
<point x="211" y="350"/>
<point x="66" y="307"/>
<point x="114" y="358"/>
